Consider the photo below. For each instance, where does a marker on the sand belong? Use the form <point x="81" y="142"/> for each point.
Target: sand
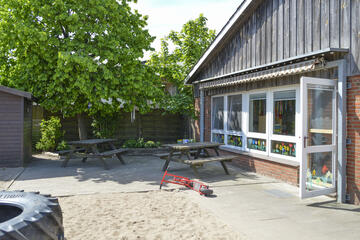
<point x="150" y="215"/>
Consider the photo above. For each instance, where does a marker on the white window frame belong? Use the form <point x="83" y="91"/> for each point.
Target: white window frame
<point x="269" y="135"/>
<point x="292" y="139"/>
<point x="226" y="132"/>
<point x="254" y="134"/>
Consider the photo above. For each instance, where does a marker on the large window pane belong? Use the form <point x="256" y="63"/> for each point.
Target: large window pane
<point x="218" y="113"/>
<point x="284" y="113"/>
<point x="257" y="107"/>
<point x="319" y="171"/>
<point x="234" y="112"/>
<point x="320" y="117"/>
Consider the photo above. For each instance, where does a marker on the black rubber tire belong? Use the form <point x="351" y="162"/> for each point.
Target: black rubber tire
<point x="30" y="216"/>
<point x="207" y="192"/>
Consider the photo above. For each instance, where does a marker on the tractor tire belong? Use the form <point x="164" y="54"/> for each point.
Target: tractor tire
<point x="30" y="216"/>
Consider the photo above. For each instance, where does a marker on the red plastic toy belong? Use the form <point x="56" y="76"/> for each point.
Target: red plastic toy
<point x="192" y="184"/>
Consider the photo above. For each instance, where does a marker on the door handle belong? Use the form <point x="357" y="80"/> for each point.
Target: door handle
<point x="305" y="137"/>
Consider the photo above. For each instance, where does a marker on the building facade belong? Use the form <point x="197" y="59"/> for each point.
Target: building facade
<point x="280" y="87"/>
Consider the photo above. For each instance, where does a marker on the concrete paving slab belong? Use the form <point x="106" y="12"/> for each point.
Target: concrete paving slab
<point x="8" y="175"/>
<point x="256" y="206"/>
<point x="272" y="210"/>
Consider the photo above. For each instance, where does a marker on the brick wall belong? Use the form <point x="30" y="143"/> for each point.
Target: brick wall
<point x="353" y="132"/>
<point x="207" y="116"/>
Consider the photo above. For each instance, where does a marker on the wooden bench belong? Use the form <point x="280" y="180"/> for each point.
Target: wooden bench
<point x="165" y="155"/>
<point x="200" y="162"/>
<point x="102" y="155"/>
<point x="65" y="152"/>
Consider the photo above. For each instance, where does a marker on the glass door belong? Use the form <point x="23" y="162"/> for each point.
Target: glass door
<point x="318" y="166"/>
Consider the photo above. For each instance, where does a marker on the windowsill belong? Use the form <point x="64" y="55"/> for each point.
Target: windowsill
<point x="260" y="156"/>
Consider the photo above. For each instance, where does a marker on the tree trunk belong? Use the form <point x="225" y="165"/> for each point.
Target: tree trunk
<point x="81" y="126"/>
<point x="139" y="129"/>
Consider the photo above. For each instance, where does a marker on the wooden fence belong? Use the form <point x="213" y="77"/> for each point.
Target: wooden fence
<point x="151" y="126"/>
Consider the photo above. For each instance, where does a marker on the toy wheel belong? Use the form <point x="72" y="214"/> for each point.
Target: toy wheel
<point x="207" y="192"/>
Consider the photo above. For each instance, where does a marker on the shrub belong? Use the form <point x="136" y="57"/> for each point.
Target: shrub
<point x="130" y="143"/>
<point x="140" y="143"/>
<point x="152" y="144"/>
<point x="51" y="134"/>
<point x="62" y="146"/>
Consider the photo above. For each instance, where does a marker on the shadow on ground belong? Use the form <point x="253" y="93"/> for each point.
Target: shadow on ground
<point x="140" y="173"/>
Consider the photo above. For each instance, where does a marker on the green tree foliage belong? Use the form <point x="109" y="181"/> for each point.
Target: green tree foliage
<point x="73" y="55"/>
<point x="172" y="66"/>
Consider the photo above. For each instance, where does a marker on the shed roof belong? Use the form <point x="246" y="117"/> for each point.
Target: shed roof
<point x="16" y="92"/>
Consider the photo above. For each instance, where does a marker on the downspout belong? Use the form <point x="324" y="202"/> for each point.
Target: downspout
<point x="202" y="117"/>
<point x="341" y="148"/>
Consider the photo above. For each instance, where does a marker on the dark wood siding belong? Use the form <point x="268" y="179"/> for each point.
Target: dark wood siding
<point x="279" y="29"/>
<point x="10" y="130"/>
<point x="27" y="130"/>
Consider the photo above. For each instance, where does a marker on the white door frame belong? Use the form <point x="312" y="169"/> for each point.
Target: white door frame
<point x="305" y="150"/>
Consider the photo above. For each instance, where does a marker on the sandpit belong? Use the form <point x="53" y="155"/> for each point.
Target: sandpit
<point x="150" y="215"/>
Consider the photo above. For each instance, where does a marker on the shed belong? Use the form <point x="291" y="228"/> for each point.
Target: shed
<point x="15" y="127"/>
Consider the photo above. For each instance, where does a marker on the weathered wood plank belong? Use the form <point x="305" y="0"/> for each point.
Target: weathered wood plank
<point x="258" y="37"/>
<point x="268" y="30"/>
<point x="263" y="34"/>
<point x="253" y="40"/>
<point x="237" y="48"/>
<point x="345" y="13"/>
<point x="316" y="24"/>
<point x="308" y="44"/>
<point x="248" y="45"/>
<point x="241" y="50"/>
<point x="355" y="37"/>
<point x="286" y="28"/>
<point x="245" y="56"/>
<point x="293" y="27"/>
<point x="334" y="23"/>
<point x="233" y="52"/>
<point x="280" y="30"/>
<point x="300" y="38"/>
<point x="325" y="26"/>
<point x="274" y="30"/>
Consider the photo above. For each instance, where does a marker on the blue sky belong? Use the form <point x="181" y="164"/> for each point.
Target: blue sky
<point x="167" y="15"/>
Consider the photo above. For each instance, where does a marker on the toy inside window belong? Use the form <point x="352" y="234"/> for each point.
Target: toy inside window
<point x="284" y="113"/>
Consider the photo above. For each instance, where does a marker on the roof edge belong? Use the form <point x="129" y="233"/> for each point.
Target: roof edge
<point x="286" y="61"/>
<point x="16" y="92"/>
<point x="233" y="19"/>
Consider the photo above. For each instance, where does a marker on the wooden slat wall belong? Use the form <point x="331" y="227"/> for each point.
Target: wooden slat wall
<point x="279" y="29"/>
<point x="10" y="130"/>
<point x="27" y="130"/>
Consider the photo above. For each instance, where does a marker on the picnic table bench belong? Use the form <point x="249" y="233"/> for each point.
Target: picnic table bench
<point x="89" y="149"/>
<point x="194" y="149"/>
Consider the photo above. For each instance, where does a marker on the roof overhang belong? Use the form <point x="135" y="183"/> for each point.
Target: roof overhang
<point x="289" y="66"/>
<point x="16" y="92"/>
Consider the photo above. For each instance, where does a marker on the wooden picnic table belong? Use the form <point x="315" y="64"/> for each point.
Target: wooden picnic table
<point x="89" y="148"/>
<point x="195" y="149"/>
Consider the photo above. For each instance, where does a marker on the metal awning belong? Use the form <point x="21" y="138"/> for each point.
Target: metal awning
<point x="276" y="72"/>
